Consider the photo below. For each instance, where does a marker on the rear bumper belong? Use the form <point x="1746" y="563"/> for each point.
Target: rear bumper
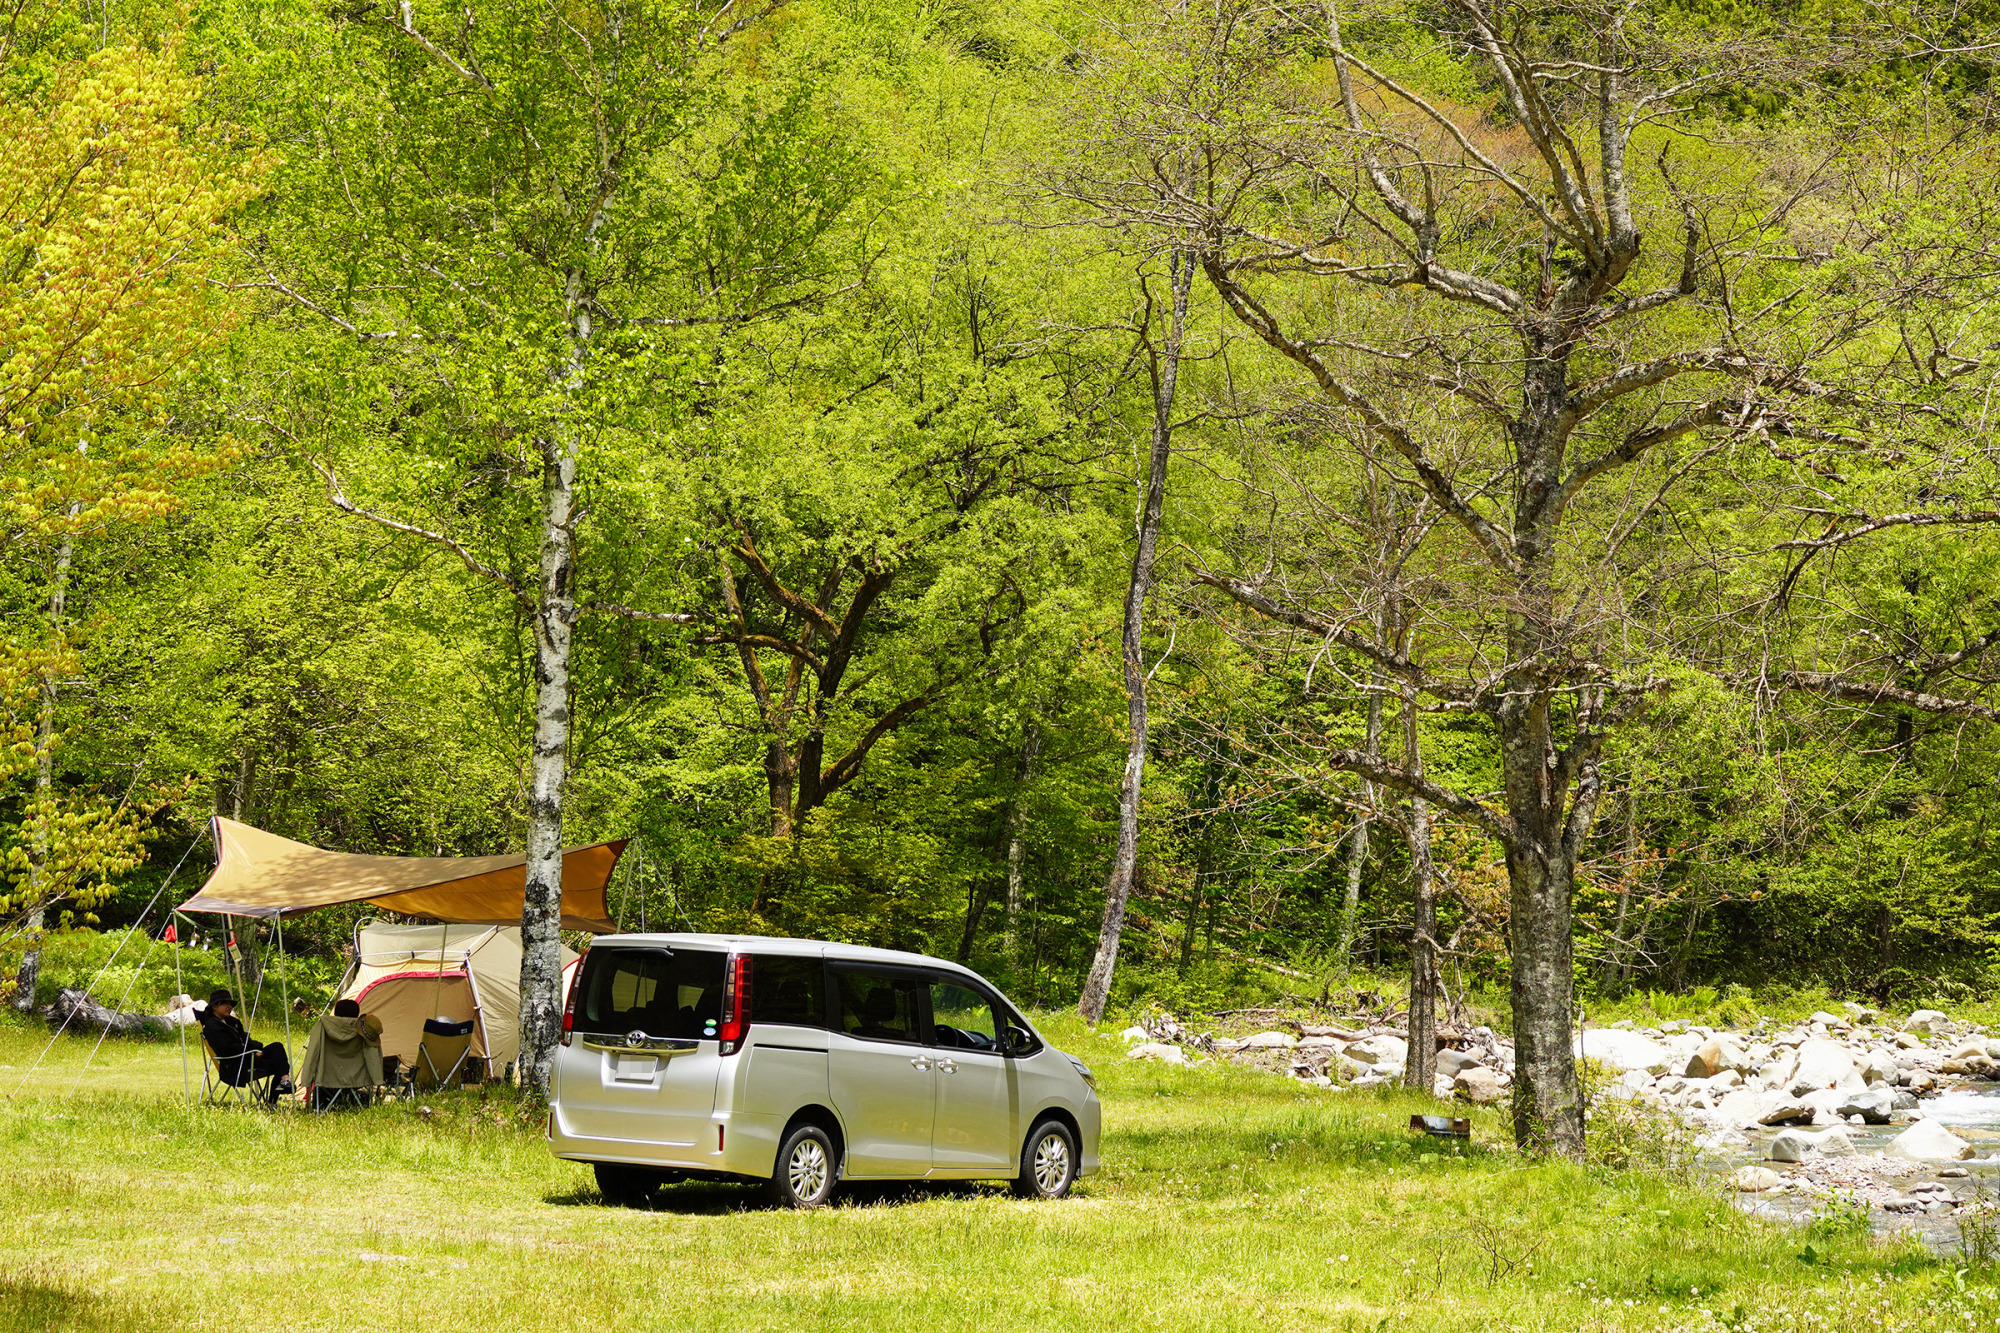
<point x="732" y="1145"/>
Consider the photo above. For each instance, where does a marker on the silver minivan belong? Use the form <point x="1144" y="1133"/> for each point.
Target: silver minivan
<point x="804" y="1064"/>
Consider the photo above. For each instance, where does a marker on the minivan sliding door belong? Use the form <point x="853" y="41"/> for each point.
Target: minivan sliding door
<point x="879" y="1071"/>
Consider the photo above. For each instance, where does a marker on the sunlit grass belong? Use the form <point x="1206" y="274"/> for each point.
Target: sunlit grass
<point x="1230" y="1200"/>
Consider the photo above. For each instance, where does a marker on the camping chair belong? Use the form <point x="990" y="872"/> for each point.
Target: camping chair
<point x="441" y="1054"/>
<point x="254" y="1093"/>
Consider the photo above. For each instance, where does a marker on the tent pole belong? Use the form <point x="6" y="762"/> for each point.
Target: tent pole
<point x="437" y="981"/>
<point x="187" y="1086"/>
<point x="258" y="994"/>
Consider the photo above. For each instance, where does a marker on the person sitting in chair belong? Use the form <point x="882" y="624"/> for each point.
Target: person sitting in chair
<point x="343" y="1055"/>
<point x="239" y="1058"/>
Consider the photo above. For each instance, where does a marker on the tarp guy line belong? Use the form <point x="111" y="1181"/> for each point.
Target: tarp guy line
<point x="107" y="966"/>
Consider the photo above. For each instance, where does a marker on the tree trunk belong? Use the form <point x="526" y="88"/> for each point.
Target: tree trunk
<point x="1017" y="851"/>
<point x="779" y="770"/>
<point x="1422" y="1066"/>
<point x="75" y="1011"/>
<point x="45" y="778"/>
<point x="1097" y="986"/>
<point x="1357" y="843"/>
<point x="554" y="621"/>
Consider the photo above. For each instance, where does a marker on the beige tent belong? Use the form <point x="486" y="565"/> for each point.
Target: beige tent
<point x="263" y="875"/>
<point x="405" y="974"/>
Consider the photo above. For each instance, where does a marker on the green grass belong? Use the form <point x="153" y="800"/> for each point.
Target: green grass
<point x="1230" y="1200"/>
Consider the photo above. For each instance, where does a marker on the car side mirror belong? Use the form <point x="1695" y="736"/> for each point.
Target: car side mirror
<point x="1014" y="1041"/>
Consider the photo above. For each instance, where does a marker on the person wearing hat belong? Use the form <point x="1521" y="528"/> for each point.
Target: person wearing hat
<point x="238" y="1057"/>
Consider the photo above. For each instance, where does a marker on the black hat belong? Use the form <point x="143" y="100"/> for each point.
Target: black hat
<point x="220" y="995"/>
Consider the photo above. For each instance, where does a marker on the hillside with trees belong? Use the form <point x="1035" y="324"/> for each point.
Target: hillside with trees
<point x="1164" y="503"/>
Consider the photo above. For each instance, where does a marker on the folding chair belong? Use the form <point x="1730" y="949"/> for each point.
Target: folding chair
<point x="441" y="1054"/>
<point x="252" y="1094"/>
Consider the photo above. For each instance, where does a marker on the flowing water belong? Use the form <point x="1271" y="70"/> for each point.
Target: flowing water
<point x="1971" y="1111"/>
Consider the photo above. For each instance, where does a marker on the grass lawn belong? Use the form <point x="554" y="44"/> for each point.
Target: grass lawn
<point x="1230" y="1199"/>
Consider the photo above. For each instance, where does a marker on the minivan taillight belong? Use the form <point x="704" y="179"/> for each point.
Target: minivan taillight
<point x="569" y="1002"/>
<point x="735" y="1003"/>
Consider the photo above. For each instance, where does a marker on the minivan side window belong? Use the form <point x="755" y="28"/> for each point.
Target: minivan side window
<point x="881" y="1006"/>
<point x="660" y="993"/>
<point x="788" y="989"/>
<point x="961" y="1017"/>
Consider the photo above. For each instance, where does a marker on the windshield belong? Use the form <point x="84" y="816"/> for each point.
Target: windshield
<point x="654" y="991"/>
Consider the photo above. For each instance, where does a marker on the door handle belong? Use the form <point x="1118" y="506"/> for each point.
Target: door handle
<point x="920" y="1062"/>
<point x="947" y="1066"/>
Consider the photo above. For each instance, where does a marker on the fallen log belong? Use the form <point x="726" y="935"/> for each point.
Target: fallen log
<point x="74" y="1011"/>
<point x="1308" y="1032"/>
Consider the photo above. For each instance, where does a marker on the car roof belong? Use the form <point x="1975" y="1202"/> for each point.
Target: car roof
<point x="779" y="944"/>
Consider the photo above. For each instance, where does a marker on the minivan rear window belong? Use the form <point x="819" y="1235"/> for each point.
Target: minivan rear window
<point x="660" y="993"/>
<point x="788" y="989"/>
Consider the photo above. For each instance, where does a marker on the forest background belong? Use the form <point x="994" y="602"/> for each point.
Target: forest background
<point x="859" y="455"/>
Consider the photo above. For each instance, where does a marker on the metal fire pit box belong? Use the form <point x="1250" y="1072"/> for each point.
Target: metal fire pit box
<point x="1442" y="1126"/>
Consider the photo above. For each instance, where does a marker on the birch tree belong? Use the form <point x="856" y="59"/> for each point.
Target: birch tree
<point x="524" y="235"/>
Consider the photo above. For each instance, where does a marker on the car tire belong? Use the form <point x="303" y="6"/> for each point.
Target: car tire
<point x="625" y="1186"/>
<point x="807" y="1170"/>
<point x="1048" y="1162"/>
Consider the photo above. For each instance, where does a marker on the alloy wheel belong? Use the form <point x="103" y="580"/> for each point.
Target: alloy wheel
<point x="1052" y="1163"/>
<point x="806" y="1172"/>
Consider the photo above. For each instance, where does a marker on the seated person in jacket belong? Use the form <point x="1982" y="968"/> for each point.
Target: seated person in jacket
<point x="238" y="1057"/>
<point x="344" y="1051"/>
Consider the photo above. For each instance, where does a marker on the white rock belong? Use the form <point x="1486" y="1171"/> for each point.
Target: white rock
<point x="1880" y="1067"/>
<point x="1872" y="1105"/>
<point x="1622" y="1050"/>
<point x="1155" y="1050"/>
<point x="1928" y="1141"/>
<point x="1727" y="1081"/>
<point x="1824" y="1064"/>
<point x="1926" y="1021"/>
<point x="1714" y="1056"/>
<point x="1860" y="1013"/>
<point x="1477" y="1084"/>
<point x="1781" y="1108"/>
<point x="1379" y="1050"/>
<point x="1134" y="1033"/>
<point x="1756" y="1179"/>
<point x="1795" y="1145"/>
<point x="1449" y="1061"/>
<point x="1268" y="1041"/>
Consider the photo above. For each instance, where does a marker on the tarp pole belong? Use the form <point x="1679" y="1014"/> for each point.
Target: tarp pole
<point x="187" y="1084"/>
<point x="284" y="986"/>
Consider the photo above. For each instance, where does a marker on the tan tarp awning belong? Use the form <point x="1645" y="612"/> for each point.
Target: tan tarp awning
<point x="263" y="875"/>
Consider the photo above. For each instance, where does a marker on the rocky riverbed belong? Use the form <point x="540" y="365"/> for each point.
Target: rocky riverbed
<point x="1899" y="1118"/>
